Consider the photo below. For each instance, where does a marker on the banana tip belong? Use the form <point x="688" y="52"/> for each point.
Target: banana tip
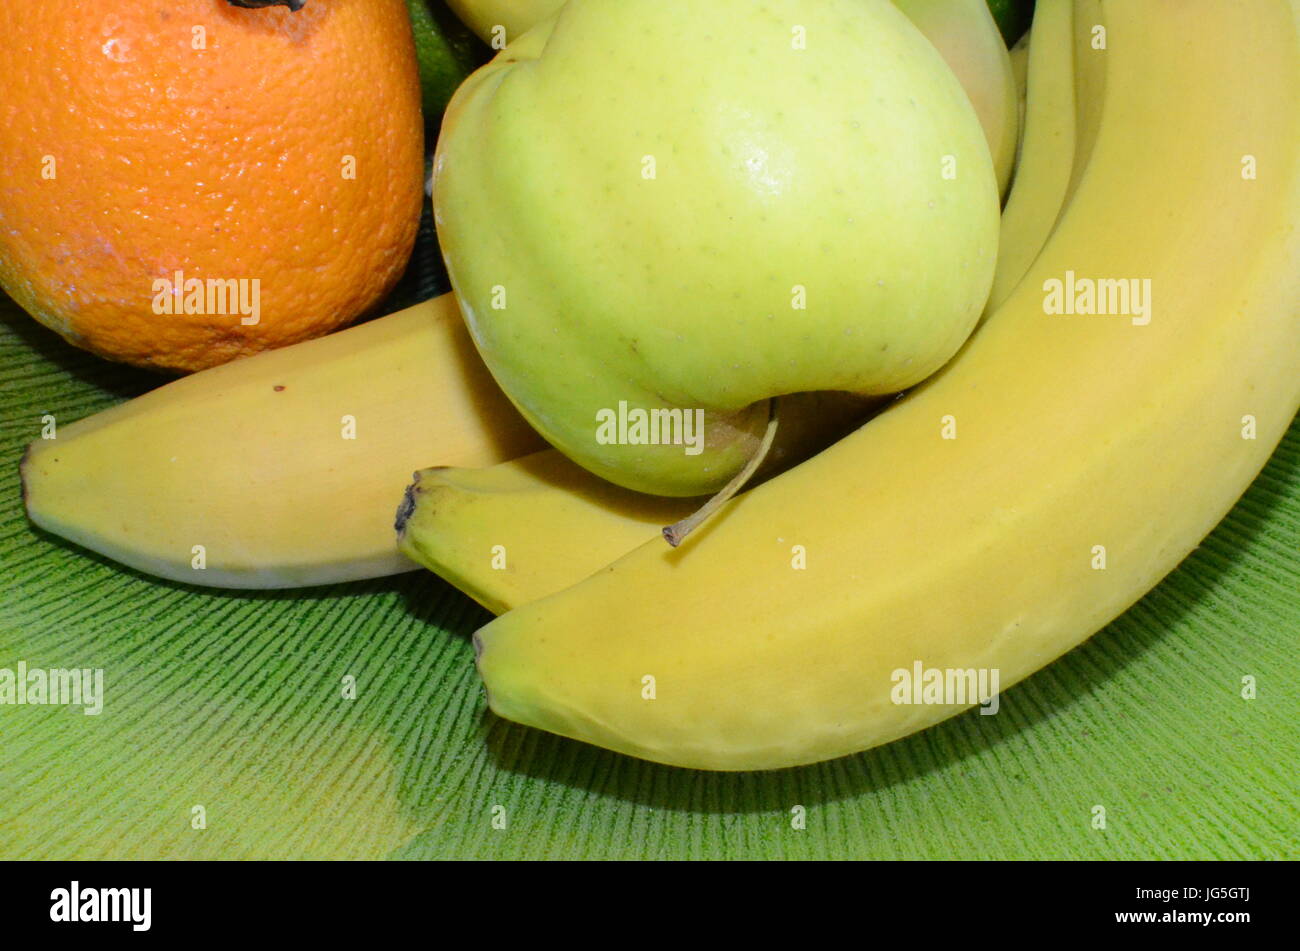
<point x="407" y="508"/>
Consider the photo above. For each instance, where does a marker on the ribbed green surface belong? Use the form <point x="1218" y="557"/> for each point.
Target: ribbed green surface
<point x="233" y="702"/>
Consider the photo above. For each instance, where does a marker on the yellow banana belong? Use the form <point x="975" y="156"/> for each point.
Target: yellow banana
<point x="1047" y="157"/>
<point x="1091" y="42"/>
<point x="521" y="530"/>
<point x="966" y="35"/>
<point x="1087" y="454"/>
<point x="279" y="470"/>
<point x="1020" y="67"/>
<point x="1020" y="70"/>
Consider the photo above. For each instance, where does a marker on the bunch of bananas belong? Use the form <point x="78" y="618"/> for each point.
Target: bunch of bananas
<point x="994" y="517"/>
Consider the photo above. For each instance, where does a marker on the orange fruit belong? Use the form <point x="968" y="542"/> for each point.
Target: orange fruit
<point x="168" y="160"/>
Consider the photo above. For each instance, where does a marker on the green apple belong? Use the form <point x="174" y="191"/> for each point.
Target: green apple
<point x="496" y="20"/>
<point x="965" y="32"/>
<point x="659" y="214"/>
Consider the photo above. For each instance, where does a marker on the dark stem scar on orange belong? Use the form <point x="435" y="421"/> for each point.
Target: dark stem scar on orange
<point x="293" y="5"/>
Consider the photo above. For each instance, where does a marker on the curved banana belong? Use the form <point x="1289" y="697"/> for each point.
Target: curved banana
<point x="1047" y="156"/>
<point x="1020" y="70"/>
<point x="966" y="35"/>
<point x="521" y="530"/>
<point x="1089" y="454"/>
<point x="1091" y="43"/>
<point x="278" y="470"/>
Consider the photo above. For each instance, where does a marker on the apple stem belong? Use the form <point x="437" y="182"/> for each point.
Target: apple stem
<point x="676" y="534"/>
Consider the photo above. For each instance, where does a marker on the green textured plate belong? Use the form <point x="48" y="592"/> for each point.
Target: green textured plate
<point x="233" y="702"/>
